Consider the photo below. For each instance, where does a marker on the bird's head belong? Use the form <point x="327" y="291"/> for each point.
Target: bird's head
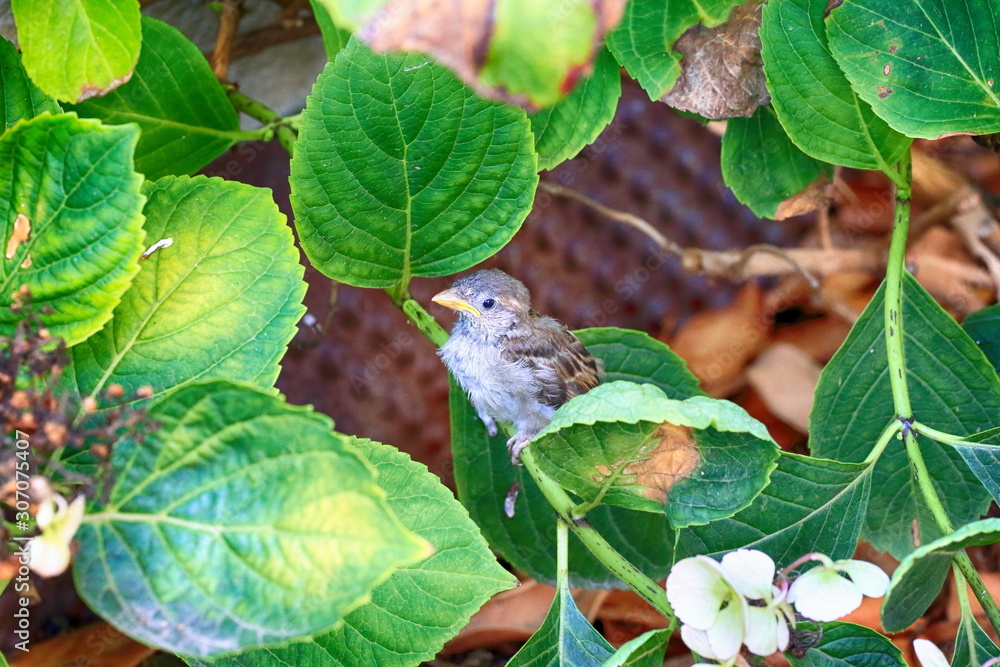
<point x="489" y="301"/>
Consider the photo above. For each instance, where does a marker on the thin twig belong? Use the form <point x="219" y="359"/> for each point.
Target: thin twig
<point x="741" y="264"/>
<point x="621" y="216"/>
<point x="229" y="23"/>
<point x="258" y="40"/>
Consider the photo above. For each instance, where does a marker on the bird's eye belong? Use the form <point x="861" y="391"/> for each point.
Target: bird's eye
<point x="489" y="303"/>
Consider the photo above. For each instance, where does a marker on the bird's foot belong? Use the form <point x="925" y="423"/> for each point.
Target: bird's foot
<point x="515" y="445"/>
<point x="491" y="426"/>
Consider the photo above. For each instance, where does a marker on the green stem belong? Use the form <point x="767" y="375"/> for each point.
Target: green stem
<point x="645" y="587"/>
<point x="562" y="555"/>
<point x="968" y="570"/>
<point x="274" y="124"/>
<point x="883" y="441"/>
<point x="895" y="267"/>
<point x="940" y="436"/>
<point x="427" y="325"/>
<point x="252" y="107"/>
<point x="896" y="357"/>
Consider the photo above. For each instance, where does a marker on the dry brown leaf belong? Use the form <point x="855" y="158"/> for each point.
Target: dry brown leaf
<point x="848" y="293"/>
<point x="814" y="197"/>
<point x="865" y="207"/>
<point x="95" y="645"/>
<point x="722" y="72"/>
<point x="940" y="261"/>
<point x="509" y="616"/>
<point x="718" y="344"/>
<point x="673" y="458"/>
<point x="785" y="377"/>
<point x="819" y="338"/>
<point x="21" y="233"/>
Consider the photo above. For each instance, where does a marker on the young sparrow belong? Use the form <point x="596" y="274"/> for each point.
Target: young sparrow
<point x="516" y="365"/>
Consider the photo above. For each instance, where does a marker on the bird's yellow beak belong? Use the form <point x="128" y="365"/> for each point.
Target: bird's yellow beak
<point x="449" y="299"/>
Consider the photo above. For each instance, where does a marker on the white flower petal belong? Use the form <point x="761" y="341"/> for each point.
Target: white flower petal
<point x="47" y="510"/>
<point x="821" y="594"/>
<point x="48" y="557"/>
<point x="750" y="572"/>
<point x="697" y="590"/>
<point x="929" y="654"/>
<point x="783" y="634"/>
<point x="697" y="641"/>
<point x="726" y="635"/>
<point x="761" y="630"/>
<point x="868" y="577"/>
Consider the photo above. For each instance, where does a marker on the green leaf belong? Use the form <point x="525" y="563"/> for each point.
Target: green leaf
<point x="629" y="445"/>
<point x="983" y="326"/>
<point x="642" y="42"/>
<point x="634" y="356"/>
<point x="566" y="639"/>
<point x="972" y="645"/>
<point x="19" y="96"/>
<point x="72" y="182"/>
<point x="646" y="650"/>
<point x="334" y="37"/>
<point x="982" y="454"/>
<point x="928" y="68"/>
<point x="849" y="645"/>
<point x="762" y="166"/>
<point x="565" y="129"/>
<point x="418" y="607"/>
<point x="75" y="49"/>
<point x="351" y="14"/>
<point x="919" y="577"/>
<point x="484" y="475"/>
<point x="809" y="505"/>
<point x="401" y="171"/>
<point x="952" y="388"/>
<point x="185" y="116"/>
<point x="221" y="301"/>
<point x="240" y="521"/>
<point x="535" y="50"/>
<point x="811" y="96"/>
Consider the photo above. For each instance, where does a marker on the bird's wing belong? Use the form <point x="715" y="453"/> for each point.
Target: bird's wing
<point x="559" y="360"/>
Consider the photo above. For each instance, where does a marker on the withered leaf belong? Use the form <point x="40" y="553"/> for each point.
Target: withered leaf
<point x="722" y="73"/>
<point x="815" y="196"/>
<point x="22" y="230"/>
<point x="672" y="459"/>
<point x="462" y="35"/>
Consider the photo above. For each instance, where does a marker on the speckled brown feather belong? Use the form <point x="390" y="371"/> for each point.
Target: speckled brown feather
<point x="551" y="347"/>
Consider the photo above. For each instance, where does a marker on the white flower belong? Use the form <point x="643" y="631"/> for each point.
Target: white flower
<point x="712" y="600"/>
<point x="929" y="654"/>
<point x="49" y="553"/>
<point x="767" y="614"/>
<point x="822" y="594"/>
<point x="706" y="602"/>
